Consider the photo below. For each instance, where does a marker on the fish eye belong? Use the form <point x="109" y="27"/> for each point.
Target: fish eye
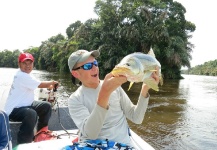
<point x="127" y="64"/>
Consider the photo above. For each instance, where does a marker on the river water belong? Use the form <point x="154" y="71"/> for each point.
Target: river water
<point x="181" y="116"/>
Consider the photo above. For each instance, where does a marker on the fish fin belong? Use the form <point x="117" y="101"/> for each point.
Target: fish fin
<point x="152" y="70"/>
<point x="150" y="83"/>
<point x="151" y="52"/>
<point x="131" y="83"/>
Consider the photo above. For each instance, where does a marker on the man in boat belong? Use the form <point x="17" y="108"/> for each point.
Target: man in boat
<point x="100" y="109"/>
<point x="20" y="105"/>
<point x="5" y="135"/>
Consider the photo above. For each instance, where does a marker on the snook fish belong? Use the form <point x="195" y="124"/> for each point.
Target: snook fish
<point x="138" y="67"/>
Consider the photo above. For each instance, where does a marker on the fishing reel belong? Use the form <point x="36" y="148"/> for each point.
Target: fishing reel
<point x="50" y="95"/>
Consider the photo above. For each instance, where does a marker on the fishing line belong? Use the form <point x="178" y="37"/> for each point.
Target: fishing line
<point x="62" y="125"/>
<point x="60" y="121"/>
<point x="58" y="110"/>
<point x="59" y="118"/>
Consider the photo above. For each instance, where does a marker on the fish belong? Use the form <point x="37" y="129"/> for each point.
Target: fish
<point x="138" y="67"/>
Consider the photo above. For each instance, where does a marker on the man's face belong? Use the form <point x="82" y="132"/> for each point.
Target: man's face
<point x="26" y="66"/>
<point x="89" y="78"/>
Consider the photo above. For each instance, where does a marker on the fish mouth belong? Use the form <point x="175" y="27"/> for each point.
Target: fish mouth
<point x="120" y="71"/>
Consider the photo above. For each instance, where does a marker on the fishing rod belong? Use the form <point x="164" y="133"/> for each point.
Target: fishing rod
<point x="51" y="96"/>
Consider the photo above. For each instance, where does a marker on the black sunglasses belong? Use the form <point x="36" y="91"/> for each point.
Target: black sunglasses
<point x="88" y="66"/>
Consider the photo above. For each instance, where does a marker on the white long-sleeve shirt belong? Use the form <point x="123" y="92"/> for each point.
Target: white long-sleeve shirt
<point x="95" y="122"/>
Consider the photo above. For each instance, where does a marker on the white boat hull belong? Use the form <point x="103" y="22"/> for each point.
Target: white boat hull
<point x="66" y="139"/>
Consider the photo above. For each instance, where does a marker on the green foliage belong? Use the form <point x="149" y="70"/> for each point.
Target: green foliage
<point x="54" y="53"/>
<point x="208" y="68"/>
<point x="9" y="58"/>
<point x="136" y="26"/>
<point x="72" y="29"/>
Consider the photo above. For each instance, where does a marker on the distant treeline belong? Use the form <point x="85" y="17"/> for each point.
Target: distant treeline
<point x="122" y="27"/>
<point x="208" y="68"/>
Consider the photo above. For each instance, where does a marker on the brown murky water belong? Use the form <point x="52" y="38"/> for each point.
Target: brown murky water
<point x="182" y="115"/>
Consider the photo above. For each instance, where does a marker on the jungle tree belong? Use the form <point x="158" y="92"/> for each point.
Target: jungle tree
<point x="135" y="26"/>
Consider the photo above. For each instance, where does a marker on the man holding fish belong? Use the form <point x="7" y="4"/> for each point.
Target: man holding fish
<point x="100" y="108"/>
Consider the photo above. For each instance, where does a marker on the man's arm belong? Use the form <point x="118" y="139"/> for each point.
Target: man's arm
<point x="47" y="84"/>
<point x="136" y="113"/>
<point x="109" y="85"/>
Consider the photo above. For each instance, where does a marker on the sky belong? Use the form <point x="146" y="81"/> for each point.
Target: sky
<point x="26" y="23"/>
<point x="202" y="14"/>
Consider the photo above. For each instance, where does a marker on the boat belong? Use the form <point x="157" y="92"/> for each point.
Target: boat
<point x="63" y="126"/>
<point x="66" y="135"/>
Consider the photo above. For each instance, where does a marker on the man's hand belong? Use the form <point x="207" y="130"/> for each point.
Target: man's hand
<point x="109" y="85"/>
<point x="156" y="78"/>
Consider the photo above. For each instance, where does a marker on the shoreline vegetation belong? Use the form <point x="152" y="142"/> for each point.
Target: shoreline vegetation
<point x="208" y="68"/>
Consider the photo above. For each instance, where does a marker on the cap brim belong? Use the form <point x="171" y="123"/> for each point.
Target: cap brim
<point x="95" y="53"/>
<point x="26" y="59"/>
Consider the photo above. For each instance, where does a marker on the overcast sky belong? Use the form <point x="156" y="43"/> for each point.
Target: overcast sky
<point x="26" y="23"/>
<point x="203" y="15"/>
